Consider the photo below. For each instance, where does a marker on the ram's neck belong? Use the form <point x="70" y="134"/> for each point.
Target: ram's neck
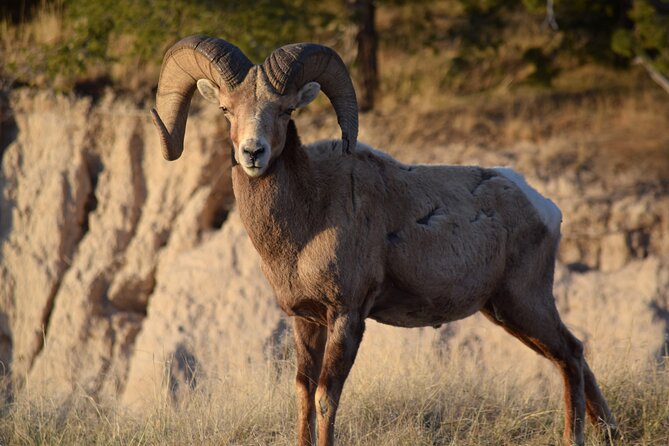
<point x="279" y="208"/>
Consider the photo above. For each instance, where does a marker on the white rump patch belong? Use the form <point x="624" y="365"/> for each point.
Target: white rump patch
<point x="548" y="211"/>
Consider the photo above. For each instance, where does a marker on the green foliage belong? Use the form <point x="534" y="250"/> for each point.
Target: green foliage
<point x="622" y="43"/>
<point x="478" y="44"/>
<point x="587" y="26"/>
<point x="599" y="31"/>
<point x="256" y="26"/>
<point x="650" y="35"/>
<point x="534" y="5"/>
<point x="135" y="33"/>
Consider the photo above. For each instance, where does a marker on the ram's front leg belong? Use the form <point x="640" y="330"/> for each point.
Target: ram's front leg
<point x="343" y="339"/>
<point x="309" y="348"/>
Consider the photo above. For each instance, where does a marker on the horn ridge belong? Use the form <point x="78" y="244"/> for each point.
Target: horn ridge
<point x="190" y="59"/>
<point x="294" y="65"/>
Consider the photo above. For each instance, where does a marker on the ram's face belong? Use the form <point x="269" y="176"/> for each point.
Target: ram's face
<point x="258" y="118"/>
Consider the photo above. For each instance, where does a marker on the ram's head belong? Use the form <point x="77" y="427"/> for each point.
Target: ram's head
<point x="257" y="99"/>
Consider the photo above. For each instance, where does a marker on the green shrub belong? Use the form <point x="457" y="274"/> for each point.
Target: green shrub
<point x="96" y="36"/>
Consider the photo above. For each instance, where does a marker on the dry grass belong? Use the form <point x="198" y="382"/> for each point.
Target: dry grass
<point x="399" y="396"/>
<point x="393" y="397"/>
<point x="411" y="398"/>
<point x="22" y="47"/>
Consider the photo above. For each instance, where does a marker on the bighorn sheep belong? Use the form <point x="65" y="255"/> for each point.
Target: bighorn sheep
<point x="346" y="233"/>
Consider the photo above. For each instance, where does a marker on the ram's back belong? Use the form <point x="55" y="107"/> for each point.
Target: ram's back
<point x="449" y="232"/>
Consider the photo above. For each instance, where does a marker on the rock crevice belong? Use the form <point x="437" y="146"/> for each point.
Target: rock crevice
<point x="126" y="275"/>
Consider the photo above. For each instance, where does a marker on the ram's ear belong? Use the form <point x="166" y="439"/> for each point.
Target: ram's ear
<point x="208" y="90"/>
<point x="307" y="93"/>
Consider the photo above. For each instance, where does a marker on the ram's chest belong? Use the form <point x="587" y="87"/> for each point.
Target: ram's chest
<point x="310" y="283"/>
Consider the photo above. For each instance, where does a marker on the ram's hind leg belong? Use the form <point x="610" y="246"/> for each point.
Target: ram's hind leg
<point x="597" y="408"/>
<point x="539" y="327"/>
<point x="309" y="348"/>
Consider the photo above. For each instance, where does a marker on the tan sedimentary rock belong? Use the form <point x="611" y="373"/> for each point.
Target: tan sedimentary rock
<point x="117" y="278"/>
<point x="213" y="311"/>
<point x="87" y="219"/>
<point x="44" y="189"/>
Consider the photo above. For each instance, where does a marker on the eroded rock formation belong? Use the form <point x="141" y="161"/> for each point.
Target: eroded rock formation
<point x="125" y="275"/>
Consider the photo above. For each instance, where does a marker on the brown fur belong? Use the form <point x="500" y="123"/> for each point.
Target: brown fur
<point x="343" y="238"/>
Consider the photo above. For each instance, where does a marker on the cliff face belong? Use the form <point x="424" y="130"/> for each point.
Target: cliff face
<point x="88" y="218"/>
<point x="125" y="275"/>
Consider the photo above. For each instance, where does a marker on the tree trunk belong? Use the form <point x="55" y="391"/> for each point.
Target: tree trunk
<point x="362" y="13"/>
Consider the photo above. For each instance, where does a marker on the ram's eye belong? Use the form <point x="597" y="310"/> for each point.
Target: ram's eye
<point x="225" y="109"/>
<point x="288" y="111"/>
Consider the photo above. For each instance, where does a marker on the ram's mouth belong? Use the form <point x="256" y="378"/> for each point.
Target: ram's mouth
<point x="253" y="170"/>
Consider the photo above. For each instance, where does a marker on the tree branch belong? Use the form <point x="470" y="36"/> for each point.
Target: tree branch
<point x="550" y="17"/>
<point x="658" y="77"/>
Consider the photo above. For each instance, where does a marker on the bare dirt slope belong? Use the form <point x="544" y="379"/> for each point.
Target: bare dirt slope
<point x="124" y="275"/>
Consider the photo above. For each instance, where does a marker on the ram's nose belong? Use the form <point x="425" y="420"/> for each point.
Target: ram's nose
<point x="254" y="152"/>
<point x="254" y="157"/>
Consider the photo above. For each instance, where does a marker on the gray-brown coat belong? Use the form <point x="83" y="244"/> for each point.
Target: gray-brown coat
<point x="345" y="232"/>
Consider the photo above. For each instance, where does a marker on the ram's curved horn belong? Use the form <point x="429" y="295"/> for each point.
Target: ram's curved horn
<point x="292" y="66"/>
<point x="187" y="61"/>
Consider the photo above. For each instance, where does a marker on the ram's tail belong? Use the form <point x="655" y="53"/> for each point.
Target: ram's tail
<point x="548" y="211"/>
